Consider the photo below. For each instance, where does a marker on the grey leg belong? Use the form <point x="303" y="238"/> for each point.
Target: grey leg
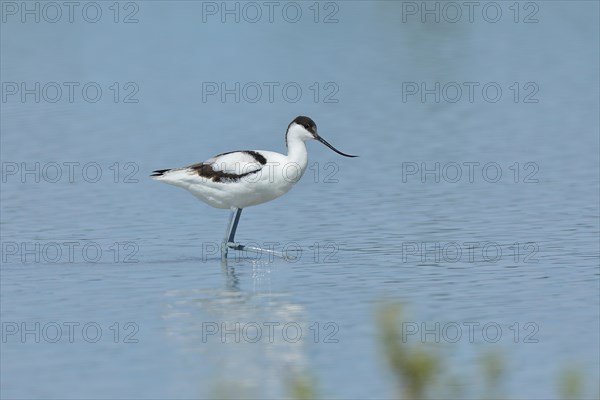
<point x="229" y="243"/>
<point x="234" y="218"/>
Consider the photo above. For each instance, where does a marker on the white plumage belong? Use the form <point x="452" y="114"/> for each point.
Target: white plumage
<point x="241" y="179"/>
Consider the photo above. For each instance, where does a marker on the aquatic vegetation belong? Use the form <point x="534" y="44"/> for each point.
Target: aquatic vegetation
<point x="414" y="368"/>
<point x="302" y="387"/>
<point x="420" y="371"/>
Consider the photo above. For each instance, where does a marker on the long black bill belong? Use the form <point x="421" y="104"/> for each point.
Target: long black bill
<point x="320" y="139"/>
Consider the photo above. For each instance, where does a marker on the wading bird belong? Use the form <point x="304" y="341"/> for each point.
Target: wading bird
<point x="245" y="178"/>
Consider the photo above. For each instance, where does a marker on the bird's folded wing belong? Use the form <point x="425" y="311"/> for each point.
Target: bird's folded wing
<point x="234" y="163"/>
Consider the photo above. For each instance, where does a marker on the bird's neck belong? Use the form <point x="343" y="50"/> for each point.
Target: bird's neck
<point x="297" y="152"/>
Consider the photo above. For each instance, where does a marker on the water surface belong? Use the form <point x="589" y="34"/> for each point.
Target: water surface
<point x="373" y="228"/>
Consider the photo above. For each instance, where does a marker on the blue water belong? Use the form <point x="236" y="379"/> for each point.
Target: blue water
<point x="111" y="284"/>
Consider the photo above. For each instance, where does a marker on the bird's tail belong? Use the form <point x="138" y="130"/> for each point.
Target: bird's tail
<point x="159" y="173"/>
<point x="173" y="176"/>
